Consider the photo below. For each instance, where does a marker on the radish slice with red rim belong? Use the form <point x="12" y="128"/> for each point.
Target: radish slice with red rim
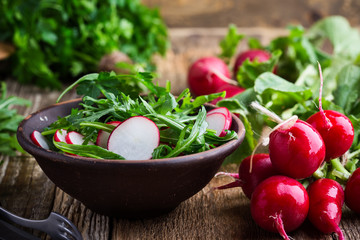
<point x="225" y="111"/>
<point x="217" y="121"/>
<point x="103" y="136"/>
<point x="59" y="135"/>
<point x="135" y="139"/>
<point x="75" y="138"/>
<point x="39" y="140"/>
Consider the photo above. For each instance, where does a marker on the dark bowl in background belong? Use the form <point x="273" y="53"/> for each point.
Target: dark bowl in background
<point x="124" y="188"/>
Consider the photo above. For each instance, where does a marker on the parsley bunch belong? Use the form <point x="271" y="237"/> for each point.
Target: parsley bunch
<point x="58" y="41"/>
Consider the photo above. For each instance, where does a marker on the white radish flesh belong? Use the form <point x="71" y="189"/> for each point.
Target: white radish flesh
<point x="103" y="136"/>
<point x="39" y="140"/>
<point x="135" y="139"/>
<point x="75" y="138"/>
<point x="59" y="135"/>
<point x="217" y="121"/>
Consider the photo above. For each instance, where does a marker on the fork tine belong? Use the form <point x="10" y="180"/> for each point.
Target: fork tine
<point x="73" y="231"/>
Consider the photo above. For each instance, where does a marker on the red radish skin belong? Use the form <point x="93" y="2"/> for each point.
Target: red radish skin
<point x="207" y="75"/>
<point x="298" y="151"/>
<point x="75" y="138"/>
<point x="217" y="121"/>
<point x="103" y="136"/>
<point x="337" y="132"/>
<point x="252" y="54"/>
<point x="335" y="128"/>
<point x="326" y="198"/>
<point x="231" y="91"/>
<point x="352" y="191"/>
<point x="59" y="135"/>
<point x="261" y="169"/>
<point x="39" y="139"/>
<point x="135" y="138"/>
<point x="279" y="204"/>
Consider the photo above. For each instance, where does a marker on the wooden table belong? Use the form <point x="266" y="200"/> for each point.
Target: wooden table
<point x="26" y="191"/>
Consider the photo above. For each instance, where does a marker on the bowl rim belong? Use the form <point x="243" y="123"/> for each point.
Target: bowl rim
<point x="35" y="150"/>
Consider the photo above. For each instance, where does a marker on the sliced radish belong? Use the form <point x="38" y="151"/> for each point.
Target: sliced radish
<point x="217" y="121"/>
<point x="39" y="139"/>
<point x="75" y="138"/>
<point x="225" y="111"/>
<point x="135" y="139"/>
<point x="103" y="136"/>
<point x="59" y="135"/>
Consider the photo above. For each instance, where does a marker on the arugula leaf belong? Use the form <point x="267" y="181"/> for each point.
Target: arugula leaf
<point x="87" y="151"/>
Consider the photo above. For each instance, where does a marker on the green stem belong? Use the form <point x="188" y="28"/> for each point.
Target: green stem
<point x="91" y="76"/>
<point x="98" y="125"/>
<point x="354" y="154"/>
<point x="336" y="164"/>
<point x="318" y="174"/>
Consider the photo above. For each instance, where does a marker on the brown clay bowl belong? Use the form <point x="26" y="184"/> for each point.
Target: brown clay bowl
<point x="124" y="188"/>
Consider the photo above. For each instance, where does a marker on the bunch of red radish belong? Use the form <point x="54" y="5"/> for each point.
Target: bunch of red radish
<point x="211" y="74"/>
<point x="297" y="148"/>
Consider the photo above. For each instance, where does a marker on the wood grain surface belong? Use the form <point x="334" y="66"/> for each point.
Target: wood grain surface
<point x="25" y="190"/>
<point x="253" y="13"/>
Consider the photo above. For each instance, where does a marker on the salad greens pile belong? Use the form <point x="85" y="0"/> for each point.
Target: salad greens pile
<point x="9" y="121"/>
<point x="58" y="41"/>
<point x="110" y="97"/>
<point x="294" y="89"/>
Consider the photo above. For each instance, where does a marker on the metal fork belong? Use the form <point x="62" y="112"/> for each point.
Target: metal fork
<point x="56" y="225"/>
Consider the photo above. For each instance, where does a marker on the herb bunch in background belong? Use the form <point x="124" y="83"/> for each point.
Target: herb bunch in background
<point x="57" y="41"/>
<point x="9" y="121"/>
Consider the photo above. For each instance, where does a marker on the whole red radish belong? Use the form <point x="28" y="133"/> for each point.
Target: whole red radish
<point x="352" y="191"/>
<point x="279" y="204"/>
<point x="298" y="151"/>
<point x="231" y="90"/>
<point x="335" y="128"/>
<point x="326" y="198"/>
<point x="248" y="180"/>
<point x="207" y="75"/>
<point x="252" y="54"/>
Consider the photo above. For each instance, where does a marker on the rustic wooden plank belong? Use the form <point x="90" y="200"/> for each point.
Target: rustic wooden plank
<point x="24" y="189"/>
<point x="252" y="13"/>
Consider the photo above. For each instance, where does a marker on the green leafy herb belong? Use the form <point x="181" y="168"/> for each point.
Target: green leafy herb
<point x="58" y="41"/>
<point x="181" y="119"/>
<point x="229" y="43"/>
<point x="9" y="121"/>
